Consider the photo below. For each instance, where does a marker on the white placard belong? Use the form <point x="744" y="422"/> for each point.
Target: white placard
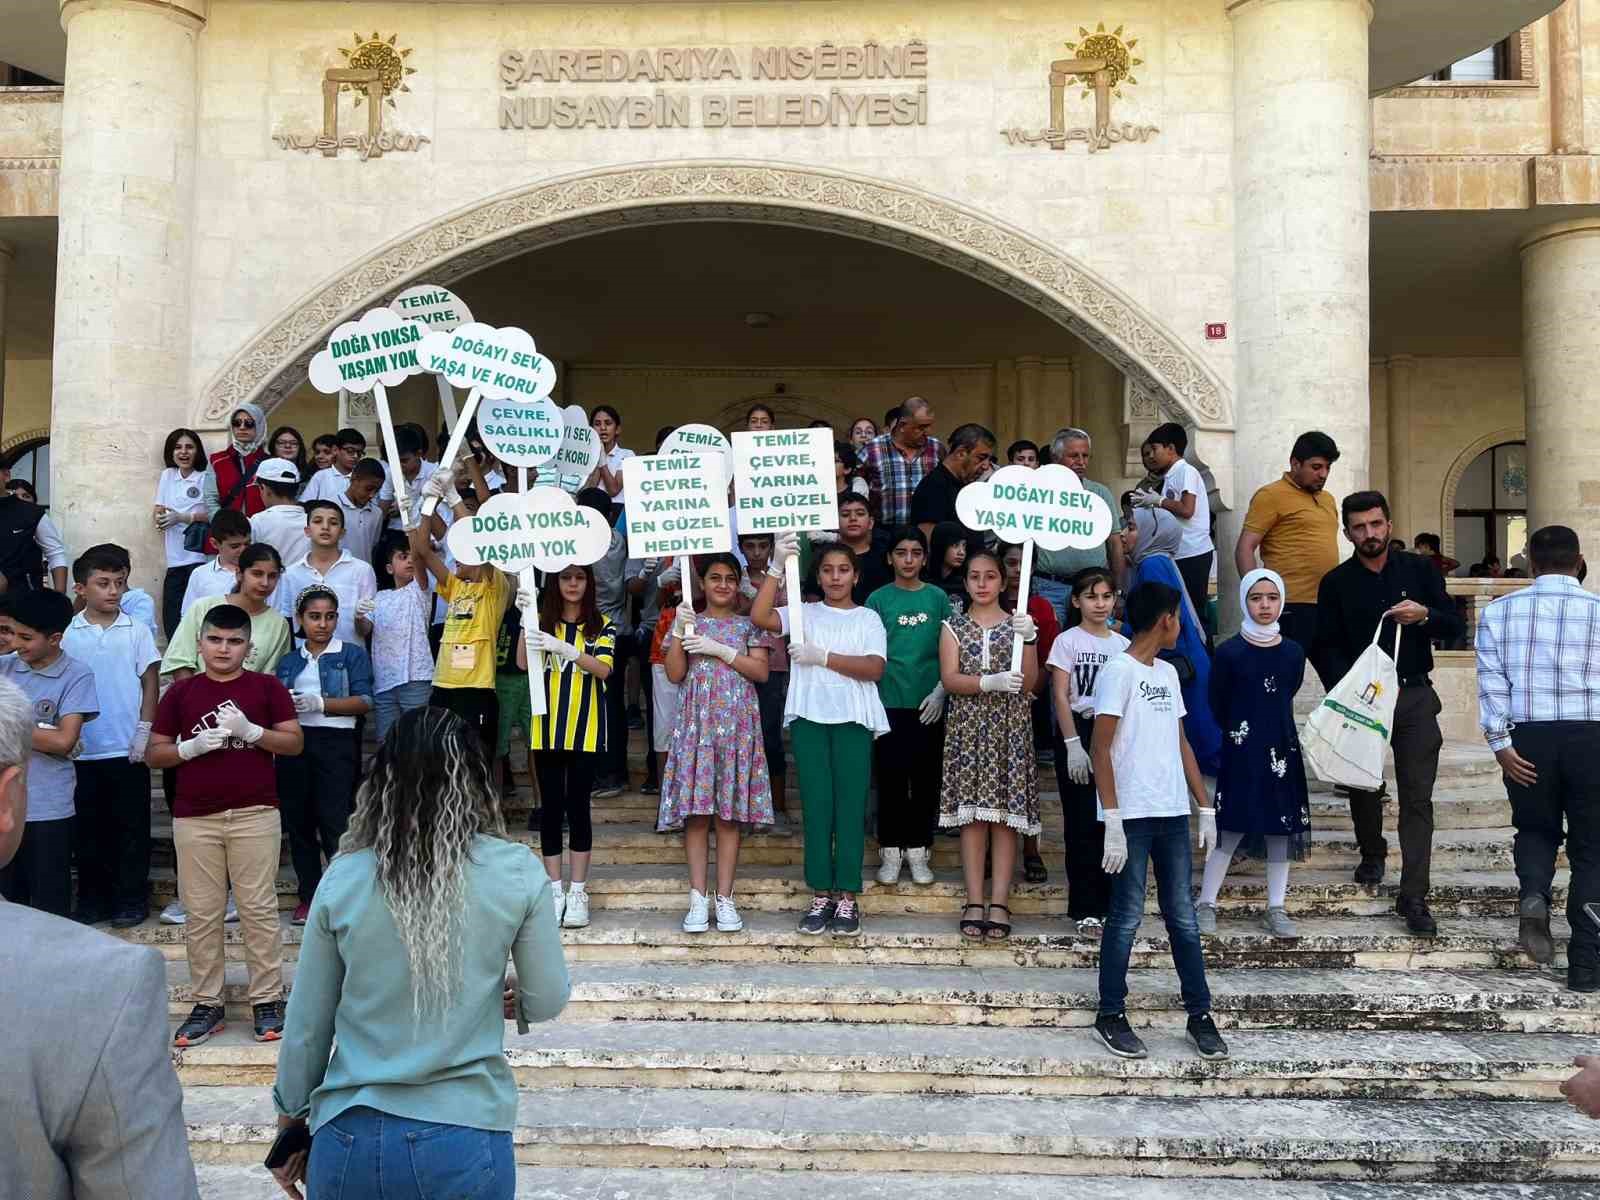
<point x="436" y="307"/>
<point x="541" y="528"/>
<point x="580" y="451"/>
<point x="1047" y="506"/>
<point x="499" y="364"/>
<point x="519" y="433"/>
<point x="783" y="481"/>
<point x="379" y="348"/>
<point x="677" y="505"/>
<point x="697" y="439"/>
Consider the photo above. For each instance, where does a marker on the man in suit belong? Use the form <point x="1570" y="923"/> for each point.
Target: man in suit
<point x="89" y="1106"/>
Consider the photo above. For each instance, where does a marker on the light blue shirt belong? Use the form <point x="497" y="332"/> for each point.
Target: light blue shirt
<point x="64" y="687"/>
<point x="136" y="602"/>
<point x="117" y="655"/>
<point x="352" y="996"/>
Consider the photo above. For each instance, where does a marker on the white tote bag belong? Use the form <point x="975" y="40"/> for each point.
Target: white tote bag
<point x="1346" y="736"/>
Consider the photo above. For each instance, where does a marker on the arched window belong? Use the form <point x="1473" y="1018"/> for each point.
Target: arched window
<point x="1491" y="507"/>
<point x="30" y="460"/>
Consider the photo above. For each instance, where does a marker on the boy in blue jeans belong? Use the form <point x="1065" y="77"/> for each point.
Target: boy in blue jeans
<point x="1145" y="773"/>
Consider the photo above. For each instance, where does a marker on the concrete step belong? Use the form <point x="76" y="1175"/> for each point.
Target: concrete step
<point x="1208" y="1138"/>
<point x="1448" y="1001"/>
<point x="933" y="940"/>
<point x="783" y="1056"/>
<point x="664" y="888"/>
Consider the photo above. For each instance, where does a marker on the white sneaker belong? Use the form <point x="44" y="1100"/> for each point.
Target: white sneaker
<point x="699" y="918"/>
<point x="173" y="914"/>
<point x="889" y="865"/>
<point x="917" y="860"/>
<point x="230" y="915"/>
<point x="560" y="899"/>
<point x="577" y="915"/>
<point x="728" y="918"/>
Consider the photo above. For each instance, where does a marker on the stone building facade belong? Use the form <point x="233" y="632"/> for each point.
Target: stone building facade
<point x="1246" y="215"/>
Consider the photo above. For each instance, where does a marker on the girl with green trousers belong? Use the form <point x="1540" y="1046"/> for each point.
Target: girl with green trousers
<point x="832" y="713"/>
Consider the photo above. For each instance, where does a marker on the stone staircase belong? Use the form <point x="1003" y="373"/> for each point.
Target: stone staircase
<point x="908" y="1062"/>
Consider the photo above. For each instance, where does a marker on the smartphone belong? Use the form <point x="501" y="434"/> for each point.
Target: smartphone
<point x="290" y="1141"/>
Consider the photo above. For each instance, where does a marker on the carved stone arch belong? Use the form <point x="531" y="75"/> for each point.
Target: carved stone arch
<point x="1452" y="480"/>
<point x="273" y="363"/>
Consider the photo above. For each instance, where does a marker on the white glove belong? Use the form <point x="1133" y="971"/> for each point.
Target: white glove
<point x="784" y="547"/>
<point x="538" y="639"/>
<point x="747" y="588"/>
<point x="932" y="706"/>
<point x="1023" y="626"/>
<point x="527" y="598"/>
<point x="681" y="620"/>
<point x="365" y="608"/>
<point x="821" y="537"/>
<point x="1208" y="830"/>
<point x="141" y="742"/>
<point x="1009" y="682"/>
<point x="648" y="568"/>
<point x="1077" y="761"/>
<point x="308" y="702"/>
<point x="234" y="723"/>
<point x="809" y="654"/>
<point x="1145" y="499"/>
<point x="1116" y="852"/>
<point x="204" y="742"/>
<point x="672" y="575"/>
<point x="441" y="485"/>
<point x="170" y="518"/>
<point x="698" y="643"/>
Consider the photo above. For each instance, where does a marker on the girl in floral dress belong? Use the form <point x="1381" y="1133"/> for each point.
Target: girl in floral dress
<point x="716" y="767"/>
<point x="991" y="784"/>
<point x="1262" y="802"/>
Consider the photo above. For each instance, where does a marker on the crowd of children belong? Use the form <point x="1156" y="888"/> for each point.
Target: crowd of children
<point x="299" y="607"/>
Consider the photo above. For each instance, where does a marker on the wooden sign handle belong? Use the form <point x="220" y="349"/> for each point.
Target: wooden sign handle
<point x="1024" y="581"/>
<point x="457" y="436"/>
<point x="397" y="477"/>
<point x="536" y="693"/>
<point x="447" y="400"/>
<point x="791" y="582"/>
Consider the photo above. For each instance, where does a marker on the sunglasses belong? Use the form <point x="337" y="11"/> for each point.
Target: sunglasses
<point x="243" y="423"/>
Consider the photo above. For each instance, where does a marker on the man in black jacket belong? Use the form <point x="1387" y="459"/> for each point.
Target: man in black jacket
<point x="1379" y="584"/>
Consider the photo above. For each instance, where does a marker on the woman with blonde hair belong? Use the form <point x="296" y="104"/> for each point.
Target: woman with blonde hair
<point x="402" y="977"/>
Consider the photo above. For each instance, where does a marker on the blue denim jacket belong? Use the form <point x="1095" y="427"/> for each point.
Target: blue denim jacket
<point x="345" y="672"/>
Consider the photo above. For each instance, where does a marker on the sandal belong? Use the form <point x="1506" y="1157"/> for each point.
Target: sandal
<point x="1033" y="869"/>
<point x="998" y="931"/>
<point x="973" y="931"/>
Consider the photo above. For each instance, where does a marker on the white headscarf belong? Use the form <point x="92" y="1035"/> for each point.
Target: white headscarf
<point x="1256" y="634"/>
<point x="246" y="448"/>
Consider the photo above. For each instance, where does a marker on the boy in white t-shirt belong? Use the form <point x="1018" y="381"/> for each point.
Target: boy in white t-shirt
<point x="1183" y="494"/>
<point x="1145" y="774"/>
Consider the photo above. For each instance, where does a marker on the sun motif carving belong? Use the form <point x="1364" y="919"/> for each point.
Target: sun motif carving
<point x="383" y="56"/>
<point x="1116" y="52"/>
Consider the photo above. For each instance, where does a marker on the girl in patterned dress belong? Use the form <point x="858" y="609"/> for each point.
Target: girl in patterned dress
<point x="1262" y="801"/>
<point x="991" y="784"/>
<point x="716" y="767"/>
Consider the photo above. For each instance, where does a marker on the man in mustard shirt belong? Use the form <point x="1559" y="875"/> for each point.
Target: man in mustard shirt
<point x="1295" y="524"/>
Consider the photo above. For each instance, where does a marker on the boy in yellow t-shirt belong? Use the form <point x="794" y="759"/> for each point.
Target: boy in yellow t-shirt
<point x="463" y="676"/>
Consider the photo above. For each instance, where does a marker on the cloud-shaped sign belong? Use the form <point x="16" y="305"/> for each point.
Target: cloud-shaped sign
<point x="382" y="347"/>
<point x="699" y="439"/>
<point x="524" y="435"/>
<point x="436" y="307"/>
<point x="580" y="446"/>
<point x="1048" y="506"/>
<point x="501" y="364"/>
<point x="542" y="528"/>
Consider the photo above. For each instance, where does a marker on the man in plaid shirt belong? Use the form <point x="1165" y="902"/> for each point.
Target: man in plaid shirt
<point x="1539" y="706"/>
<point x="894" y="463"/>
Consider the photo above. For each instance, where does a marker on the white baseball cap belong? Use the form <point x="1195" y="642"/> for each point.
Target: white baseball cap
<point x="278" y="470"/>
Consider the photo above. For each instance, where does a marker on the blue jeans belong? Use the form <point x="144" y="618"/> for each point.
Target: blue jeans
<point x="1163" y="841"/>
<point x="1057" y="594"/>
<point x="390" y="706"/>
<point x="363" y="1154"/>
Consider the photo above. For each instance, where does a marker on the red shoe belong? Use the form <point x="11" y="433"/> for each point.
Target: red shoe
<point x="301" y="912"/>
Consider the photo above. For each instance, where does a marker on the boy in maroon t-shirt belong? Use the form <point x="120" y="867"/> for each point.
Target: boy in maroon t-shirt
<point x="220" y="729"/>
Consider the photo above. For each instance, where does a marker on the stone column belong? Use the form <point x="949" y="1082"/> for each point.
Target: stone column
<point x="1301" y="134"/>
<point x="8" y="255"/>
<point x="1400" y="370"/>
<point x="1031" y="403"/>
<point x="1566" y="79"/>
<point x="1560" y="362"/>
<point x="122" y="265"/>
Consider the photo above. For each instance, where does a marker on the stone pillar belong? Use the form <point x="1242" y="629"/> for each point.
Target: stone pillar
<point x="1301" y="134"/>
<point x="1560" y="362"/>
<point x="1400" y="370"/>
<point x="1566" y="79"/>
<point x="122" y="267"/>
<point x="1031" y="403"/>
<point x="8" y="255"/>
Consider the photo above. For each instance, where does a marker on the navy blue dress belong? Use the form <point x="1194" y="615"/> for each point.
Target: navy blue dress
<point x="1261" y="785"/>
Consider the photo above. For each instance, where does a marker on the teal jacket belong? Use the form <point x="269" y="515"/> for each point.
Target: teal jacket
<point x="352" y="997"/>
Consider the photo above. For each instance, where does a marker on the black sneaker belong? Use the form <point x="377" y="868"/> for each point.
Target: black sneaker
<point x="1119" y="1036"/>
<point x="269" y="1021"/>
<point x="1583" y="979"/>
<point x="91" y="915"/>
<point x="1370" y="872"/>
<point x="127" y="918"/>
<point x="1419" y="921"/>
<point x="846" y="919"/>
<point x="1203" y="1033"/>
<point x="204" y="1020"/>
<point x="818" y="915"/>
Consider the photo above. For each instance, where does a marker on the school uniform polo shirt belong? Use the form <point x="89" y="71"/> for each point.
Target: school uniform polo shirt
<point x="351" y="579"/>
<point x="330" y="483"/>
<point x="283" y="527"/>
<point x="118" y="655"/>
<point x="209" y="579"/>
<point x="64" y="687"/>
<point x="361" y="527"/>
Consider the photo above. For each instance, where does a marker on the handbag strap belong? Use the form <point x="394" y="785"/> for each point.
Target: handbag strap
<point x="1378" y="633"/>
<point x="245" y="477"/>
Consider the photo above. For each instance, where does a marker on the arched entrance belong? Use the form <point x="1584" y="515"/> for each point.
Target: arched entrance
<point x="274" y="363"/>
<point x="1450" y="499"/>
